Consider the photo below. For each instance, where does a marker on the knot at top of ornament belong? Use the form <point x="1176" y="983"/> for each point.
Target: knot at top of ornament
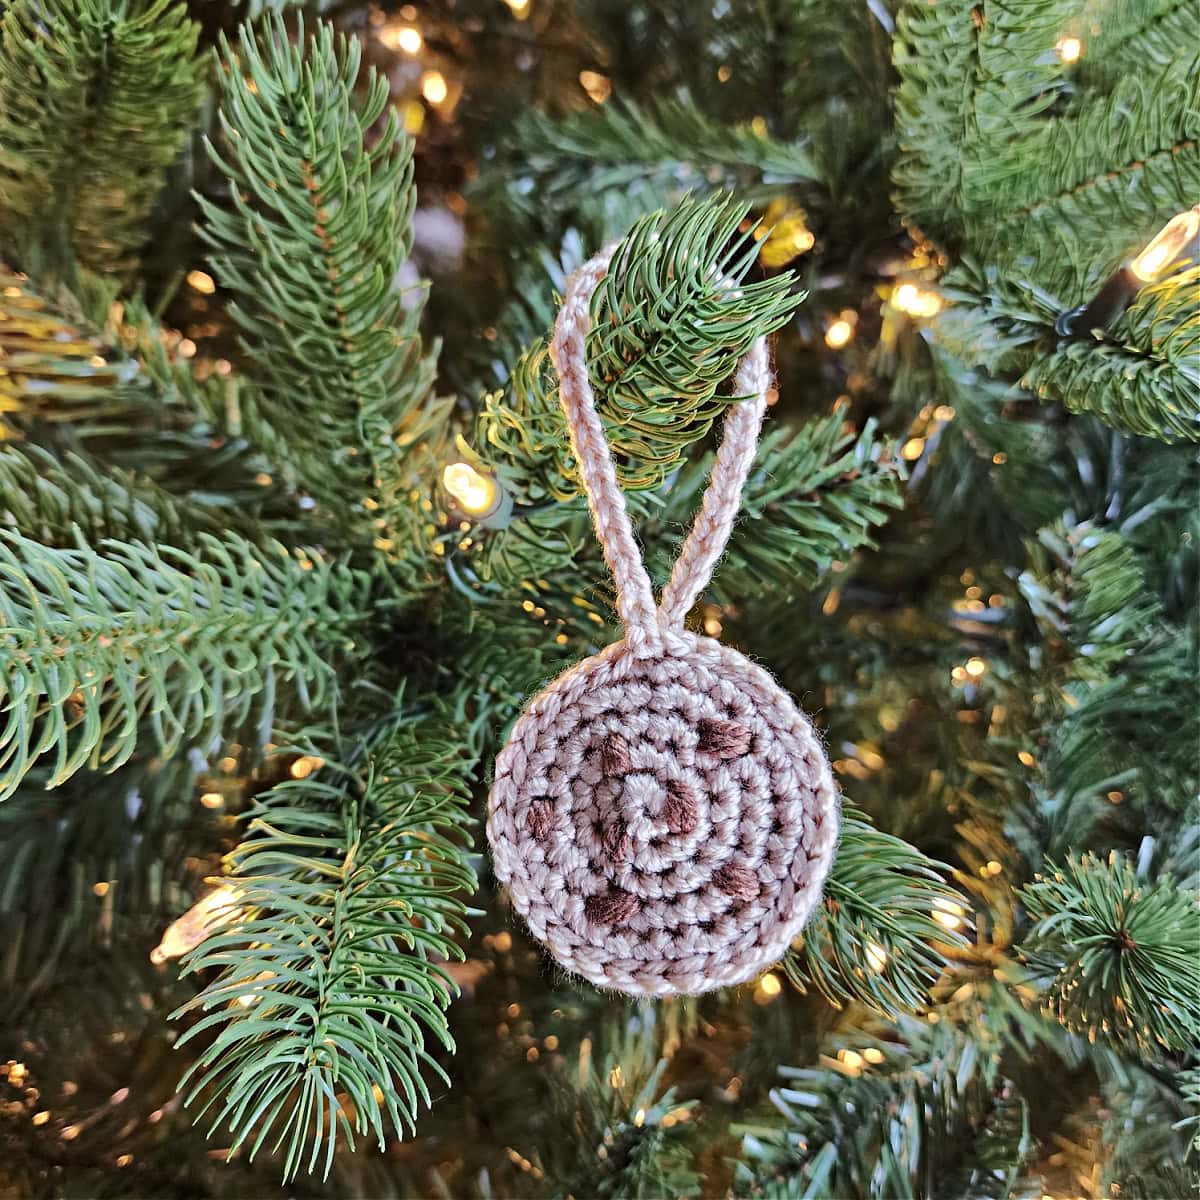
<point x="664" y="818"/>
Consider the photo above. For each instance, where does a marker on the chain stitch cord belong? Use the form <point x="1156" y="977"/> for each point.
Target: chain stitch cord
<point x="710" y="533"/>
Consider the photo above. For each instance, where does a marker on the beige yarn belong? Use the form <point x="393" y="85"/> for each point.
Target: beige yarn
<point x="662" y="814"/>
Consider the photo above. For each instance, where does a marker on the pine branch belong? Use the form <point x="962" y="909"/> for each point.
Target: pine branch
<point x="95" y="100"/>
<point x="1143" y="378"/>
<point x="98" y="642"/>
<point x="876" y="939"/>
<point x="1147" y="1117"/>
<point x="1116" y="714"/>
<point x="629" y="1136"/>
<point x="91" y="864"/>
<point x="1135" y="35"/>
<point x="107" y="380"/>
<point x="989" y="468"/>
<point x="917" y="1113"/>
<point x="670" y="320"/>
<point x="1115" y="953"/>
<point x="1085" y="586"/>
<point x="978" y="108"/>
<point x="1017" y="88"/>
<point x="350" y="887"/>
<point x="319" y="225"/>
<point x="621" y="146"/>
<point x="57" y="367"/>
<point x="815" y="494"/>
<point x="55" y="503"/>
<point x="937" y="55"/>
<point x="1110" y="173"/>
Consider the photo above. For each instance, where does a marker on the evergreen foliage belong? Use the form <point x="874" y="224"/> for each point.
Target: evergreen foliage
<point x="825" y="491"/>
<point x="319" y="224"/>
<point x="931" y="1119"/>
<point x="878" y="940"/>
<point x="347" y="894"/>
<point x="104" y="645"/>
<point x="670" y="321"/>
<point x="622" y="1105"/>
<point x="95" y="102"/>
<point x="1117" y="952"/>
<point x="968" y="545"/>
<point x="624" y="145"/>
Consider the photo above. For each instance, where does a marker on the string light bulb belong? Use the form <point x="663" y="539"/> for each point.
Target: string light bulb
<point x="597" y="86"/>
<point x="1069" y="49"/>
<point x="1166" y="246"/>
<point x="877" y="957"/>
<point x="1178" y="239"/>
<point x="188" y="931"/>
<point x="402" y="37"/>
<point x="770" y="985"/>
<point x="433" y="87"/>
<point x="305" y="765"/>
<point x="839" y="334"/>
<point x="948" y="914"/>
<point x="202" y="282"/>
<point x="474" y="493"/>
<point x="916" y="301"/>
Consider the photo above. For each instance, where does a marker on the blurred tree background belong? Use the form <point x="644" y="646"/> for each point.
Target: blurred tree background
<point x="292" y="530"/>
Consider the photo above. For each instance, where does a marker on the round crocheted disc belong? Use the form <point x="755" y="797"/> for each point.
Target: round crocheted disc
<point x="664" y="818"/>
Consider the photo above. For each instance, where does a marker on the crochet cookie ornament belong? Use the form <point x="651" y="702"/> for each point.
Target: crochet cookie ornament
<point x="663" y="814"/>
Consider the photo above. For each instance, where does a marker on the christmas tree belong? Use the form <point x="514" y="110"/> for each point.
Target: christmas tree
<point x="292" y="532"/>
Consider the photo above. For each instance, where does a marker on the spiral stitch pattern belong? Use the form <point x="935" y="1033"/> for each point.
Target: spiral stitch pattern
<point x="662" y="814"/>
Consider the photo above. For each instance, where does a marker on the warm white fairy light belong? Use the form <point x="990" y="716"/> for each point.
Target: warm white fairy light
<point x="769" y="985"/>
<point x="916" y="301"/>
<point x="839" y="334"/>
<point x="877" y="957"/>
<point x="402" y="37"/>
<point x="1151" y="264"/>
<point x="434" y="87"/>
<point x="474" y="493"/>
<point x="597" y="86"/>
<point x="202" y="282"/>
<point x="305" y="765"/>
<point x="1179" y="238"/>
<point x="1069" y="49"/>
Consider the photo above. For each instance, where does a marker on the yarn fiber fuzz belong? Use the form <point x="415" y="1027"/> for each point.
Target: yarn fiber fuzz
<point x="664" y="817"/>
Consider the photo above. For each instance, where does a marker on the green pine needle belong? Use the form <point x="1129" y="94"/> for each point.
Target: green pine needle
<point x="310" y="246"/>
<point x="95" y="101"/>
<point x="670" y="321"/>
<point x="1145" y="377"/>
<point x="876" y="939"/>
<point x="1117" y="953"/>
<point x="816" y="494"/>
<point x="350" y="889"/>
<point x="623" y="146"/>
<point x="97" y="645"/>
<point x="914" y="1112"/>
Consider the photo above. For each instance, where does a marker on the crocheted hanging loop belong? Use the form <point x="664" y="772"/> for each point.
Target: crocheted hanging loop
<point x="706" y="541"/>
<point x="662" y="814"/>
